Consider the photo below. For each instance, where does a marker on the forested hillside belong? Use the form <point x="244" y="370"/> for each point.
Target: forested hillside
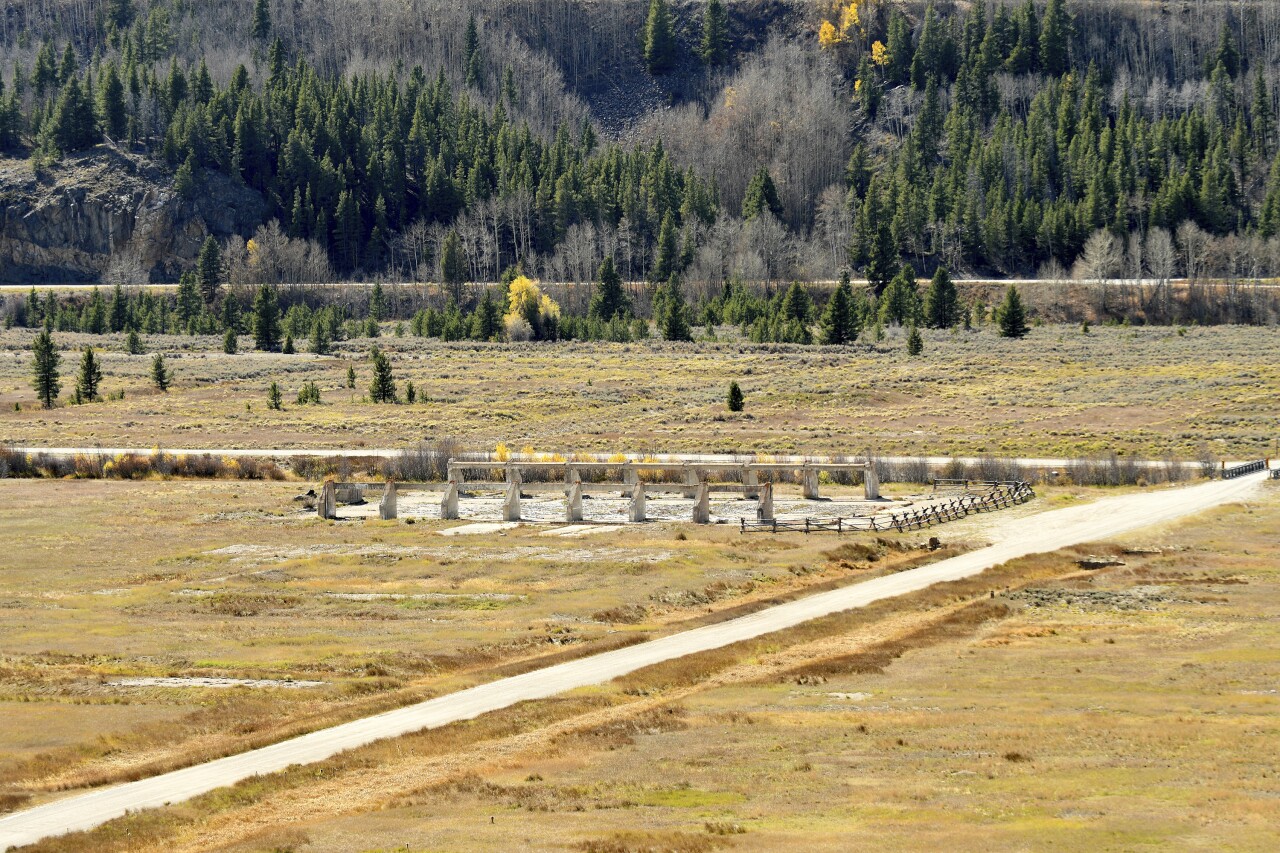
<point x="760" y="140"/>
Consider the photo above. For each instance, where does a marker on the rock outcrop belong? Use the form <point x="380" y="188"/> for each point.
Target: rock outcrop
<point x="64" y="222"/>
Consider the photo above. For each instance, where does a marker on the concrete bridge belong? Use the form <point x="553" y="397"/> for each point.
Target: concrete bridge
<point x="696" y="482"/>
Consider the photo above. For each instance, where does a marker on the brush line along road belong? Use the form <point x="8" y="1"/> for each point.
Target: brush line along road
<point x="674" y="458"/>
<point x="1043" y="532"/>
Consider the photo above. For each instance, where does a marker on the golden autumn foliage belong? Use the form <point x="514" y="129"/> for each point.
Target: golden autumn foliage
<point x="827" y="35"/>
<point x="850" y="17"/>
<point x="530" y="312"/>
<point x="879" y="54"/>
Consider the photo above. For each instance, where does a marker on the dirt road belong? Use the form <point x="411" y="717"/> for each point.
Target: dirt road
<point x="1047" y="531"/>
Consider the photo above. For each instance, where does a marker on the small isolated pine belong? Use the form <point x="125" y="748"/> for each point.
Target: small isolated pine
<point x="1013" y="317"/>
<point x="89" y="383"/>
<point x="915" y="343"/>
<point x="288" y="345"/>
<point x="351" y="376"/>
<point x="383" y="387"/>
<point x="160" y="374"/>
<point x="229" y="342"/>
<point x="132" y="343"/>
<point x="273" y="397"/>
<point x="736" y="400"/>
<point x="309" y="394"/>
<point x="1084" y="327"/>
<point x="410" y="393"/>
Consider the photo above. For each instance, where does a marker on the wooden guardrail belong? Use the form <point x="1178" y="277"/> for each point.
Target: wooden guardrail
<point x="1242" y="469"/>
<point x="1003" y="495"/>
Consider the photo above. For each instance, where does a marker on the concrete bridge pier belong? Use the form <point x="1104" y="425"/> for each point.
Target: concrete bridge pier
<point x="702" y="506"/>
<point x="449" y="503"/>
<point x="636" y="511"/>
<point x="691" y="481"/>
<point x="327" y="506"/>
<point x="387" y="506"/>
<point x="750" y="482"/>
<point x="764" y="512"/>
<point x="511" y="504"/>
<point x="871" y="480"/>
<point x="573" y="504"/>
<point x="809" y="477"/>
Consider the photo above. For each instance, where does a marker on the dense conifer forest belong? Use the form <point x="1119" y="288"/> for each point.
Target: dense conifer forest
<point x="712" y="141"/>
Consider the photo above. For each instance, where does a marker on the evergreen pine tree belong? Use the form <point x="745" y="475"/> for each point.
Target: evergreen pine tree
<point x="410" y="393"/>
<point x="1269" y="218"/>
<point x="838" y="322"/>
<point x="1055" y="39"/>
<point x="761" y="195"/>
<point x="377" y="303"/>
<point x="383" y="387"/>
<point x="915" y="344"/>
<point x="882" y="254"/>
<point x="347" y="232"/>
<point x="659" y="40"/>
<point x="118" y="313"/>
<point x="115" y="119"/>
<point x="1263" y="120"/>
<point x="89" y="380"/>
<point x="900" y="302"/>
<point x="231" y="312"/>
<point x="796" y="304"/>
<point x="1013" y="317"/>
<point x="287" y="349"/>
<point x="8" y="121"/>
<point x="184" y="179"/>
<point x="319" y="336"/>
<point x="229" y="342"/>
<point x="120" y="13"/>
<point x="159" y="373"/>
<point x="72" y="127"/>
<point x="898" y="70"/>
<point x="274" y="397"/>
<point x="266" y="319"/>
<point x="673" y="321"/>
<point x="941" y="302"/>
<point x="132" y="343"/>
<point x="44" y="365"/>
<point x="608" y="299"/>
<point x="261" y="20"/>
<point x="714" y="48"/>
<point x="351" y="376"/>
<point x="209" y="270"/>
<point x="735" y="400"/>
<point x="471" y="59"/>
<point x="453" y="265"/>
<point x="666" y="253"/>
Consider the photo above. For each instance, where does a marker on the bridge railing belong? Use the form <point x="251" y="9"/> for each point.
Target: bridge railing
<point x="1001" y="496"/>
<point x="1243" y="468"/>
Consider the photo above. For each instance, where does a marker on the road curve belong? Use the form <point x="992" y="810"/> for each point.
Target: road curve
<point x="1043" y="532"/>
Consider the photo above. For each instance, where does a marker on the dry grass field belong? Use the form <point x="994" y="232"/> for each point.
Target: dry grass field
<point x="1037" y="705"/>
<point x="1148" y="391"/>
<point x="119" y="580"/>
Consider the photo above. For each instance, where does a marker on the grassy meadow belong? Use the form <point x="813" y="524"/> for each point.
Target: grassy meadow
<point x="120" y="580"/>
<point x="1151" y="391"/>
<point x="1036" y="705"/>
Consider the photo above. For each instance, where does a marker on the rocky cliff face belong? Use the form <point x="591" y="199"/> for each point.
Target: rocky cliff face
<point x="67" y="221"/>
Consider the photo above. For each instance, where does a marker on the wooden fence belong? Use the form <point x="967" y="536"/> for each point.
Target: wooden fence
<point x="996" y="496"/>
